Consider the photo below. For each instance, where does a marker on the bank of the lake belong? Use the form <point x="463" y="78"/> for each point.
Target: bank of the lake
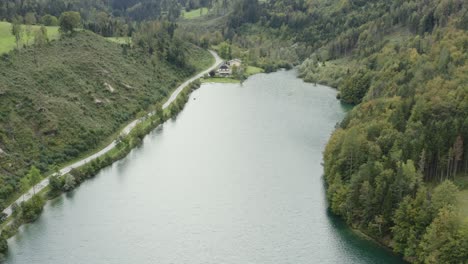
<point x="235" y="178"/>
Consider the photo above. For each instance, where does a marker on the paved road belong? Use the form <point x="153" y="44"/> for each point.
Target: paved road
<point x="125" y="131"/>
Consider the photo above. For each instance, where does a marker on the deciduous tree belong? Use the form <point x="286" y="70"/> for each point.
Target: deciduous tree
<point x="69" y="21"/>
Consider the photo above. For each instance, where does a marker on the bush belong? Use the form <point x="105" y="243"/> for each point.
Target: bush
<point x="3" y="217"/>
<point x="70" y="183"/>
<point x="31" y="209"/>
<point x="355" y="88"/>
<point x="69" y="21"/>
<point x="49" y="20"/>
<point x="3" y="243"/>
<point x="56" y="183"/>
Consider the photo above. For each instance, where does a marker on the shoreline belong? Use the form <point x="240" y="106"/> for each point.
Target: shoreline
<point x="381" y="244"/>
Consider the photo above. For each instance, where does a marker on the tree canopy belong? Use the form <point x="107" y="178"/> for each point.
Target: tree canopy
<point x="69" y="21"/>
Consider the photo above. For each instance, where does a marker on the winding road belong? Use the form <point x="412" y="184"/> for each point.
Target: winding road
<point x="43" y="184"/>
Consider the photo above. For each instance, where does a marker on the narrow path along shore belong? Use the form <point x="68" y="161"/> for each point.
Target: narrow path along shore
<point x="43" y="184"/>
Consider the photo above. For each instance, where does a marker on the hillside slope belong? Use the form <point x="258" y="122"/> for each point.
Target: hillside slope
<point x="64" y="99"/>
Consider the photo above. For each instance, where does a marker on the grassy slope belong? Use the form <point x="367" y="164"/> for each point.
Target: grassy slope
<point x="219" y="80"/>
<point x="463" y="203"/>
<point x="462" y="183"/>
<point x="55" y="105"/>
<point x="195" y="13"/>
<point x="7" y="40"/>
<point x="251" y="70"/>
<point x="119" y="40"/>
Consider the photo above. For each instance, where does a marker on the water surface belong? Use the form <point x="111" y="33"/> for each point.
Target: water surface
<point x="236" y="178"/>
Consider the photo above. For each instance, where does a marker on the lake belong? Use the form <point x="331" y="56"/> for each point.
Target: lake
<point x="235" y="178"/>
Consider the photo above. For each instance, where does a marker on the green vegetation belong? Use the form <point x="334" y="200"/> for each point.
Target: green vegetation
<point x="195" y="13"/>
<point x="109" y="18"/>
<point x="7" y="39"/>
<point x="384" y="165"/>
<point x="69" y="22"/>
<point x="26" y="212"/>
<point x="329" y="73"/>
<point x="463" y="203"/>
<point x="219" y="80"/>
<point x="138" y="10"/>
<point x="462" y="183"/>
<point x="251" y="70"/>
<point x="3" y="246"/>
<point x="120" y="40"/>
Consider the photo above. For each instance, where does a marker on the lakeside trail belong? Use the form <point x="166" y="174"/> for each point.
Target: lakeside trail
<point x="45" y="182"/>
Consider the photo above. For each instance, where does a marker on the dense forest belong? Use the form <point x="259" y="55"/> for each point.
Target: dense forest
<point x="90" y="9"/>
<point x="138" y="10"/>
<point x="395" y="166"/>
<point x="104" y="17"/>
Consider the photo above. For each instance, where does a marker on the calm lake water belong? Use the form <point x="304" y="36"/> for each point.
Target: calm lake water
<point x="235" y="179"/>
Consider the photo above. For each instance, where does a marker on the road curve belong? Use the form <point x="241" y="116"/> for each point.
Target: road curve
<point x="40" y="186"/>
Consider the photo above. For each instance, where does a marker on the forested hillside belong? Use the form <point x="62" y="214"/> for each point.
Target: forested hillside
<point x="392" y="164"/>
<point x="59" y="100"/>
<point x="395" y="166"/>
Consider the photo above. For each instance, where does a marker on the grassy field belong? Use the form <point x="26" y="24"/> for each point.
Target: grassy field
<point x="120" y="40"/>
<point x="7" y="40"/>
<point x="196" y="13"/>
<point x="219" y="80"/>
<point x="251" y="70"/>
<point x="463" y="203"/>
<point x="462" y="183"/>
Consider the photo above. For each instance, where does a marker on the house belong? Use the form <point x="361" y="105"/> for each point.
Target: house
<point x="224" y="70"/>
<point x="235" y="62"/>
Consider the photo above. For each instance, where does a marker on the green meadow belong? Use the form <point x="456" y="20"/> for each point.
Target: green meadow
<point x="7" y="40"/>
<point x="120" y="40"/>
<point x="251" y="70"/>
<point x="196" y="13"/>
